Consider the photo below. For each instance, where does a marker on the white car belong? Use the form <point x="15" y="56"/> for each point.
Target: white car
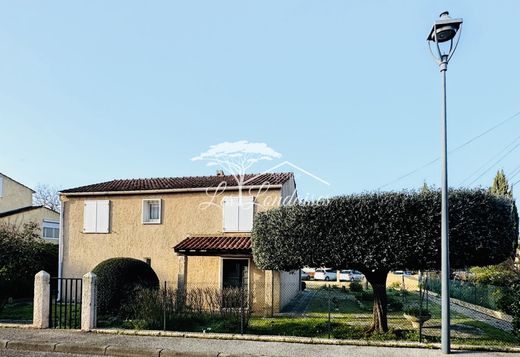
<point x="305" y="275"/>
<point x="403" y="272"/>
<point x="350" y="275"/>
<point x="325" y="274"/>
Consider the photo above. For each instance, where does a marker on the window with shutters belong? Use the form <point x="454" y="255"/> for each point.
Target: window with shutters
<point x="238" y="214"/>
<point x="152" y="211"/>
<point x="96" y="216"/>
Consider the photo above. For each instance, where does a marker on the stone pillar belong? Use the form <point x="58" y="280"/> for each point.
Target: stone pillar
<point x="42" y="298"/>
<point x="268" y="293"/>
<point x="182" y="277"/>
<point x="182" y="274"/>
<point x="89" y="302"/>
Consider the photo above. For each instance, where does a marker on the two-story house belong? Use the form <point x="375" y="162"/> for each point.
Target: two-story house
<point x="193" y="231"/>
<point x="16" y="208"/>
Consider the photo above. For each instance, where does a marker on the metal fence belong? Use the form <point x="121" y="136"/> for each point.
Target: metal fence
<point x="341" y="310"/>
<point x="471" y="292"/>
<point x="65" y="303"/>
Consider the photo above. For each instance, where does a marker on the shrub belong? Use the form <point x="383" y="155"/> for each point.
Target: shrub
<point x="364" y="295"/>
<point x="222" y="308"/>
<point x="416" y="310"/>
<point x="22" y="254"/>
<point x="503" y="274"/>
<point x="355" y="287"/>
<point x="395" y="285"/>
<point x="514" y="308"/>
<point x="394" y="304"/>
<point x="119" y="279"/>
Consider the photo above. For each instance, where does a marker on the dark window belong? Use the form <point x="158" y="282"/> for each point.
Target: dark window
<point x="235" y="273"/>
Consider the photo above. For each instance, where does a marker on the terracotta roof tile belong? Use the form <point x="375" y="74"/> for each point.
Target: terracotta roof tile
<point x="167" y="183"/>
<point x="214" y="245"/>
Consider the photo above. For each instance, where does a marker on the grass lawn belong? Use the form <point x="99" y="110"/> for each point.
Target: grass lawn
<point x="23" y="311"/>
<point x="350" y="318"/>
<point x="17" y="311"/>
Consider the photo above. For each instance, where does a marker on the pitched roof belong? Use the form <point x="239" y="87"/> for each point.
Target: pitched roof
<point x="21" y="184"/>
<point x="19" y="210"/>
<point x="208" y="245"/>
<point x="190" y="182"/>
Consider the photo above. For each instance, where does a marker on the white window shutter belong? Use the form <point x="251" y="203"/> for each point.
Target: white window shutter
<point x="103" y="216"/>
<point x="1" y="186"/>
<point x="245" y="214"/>
<point x="146" y="211"/>
<point x="89" y="217"/>
<point x="230" y="212"/>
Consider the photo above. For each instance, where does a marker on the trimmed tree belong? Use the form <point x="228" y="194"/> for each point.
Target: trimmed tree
<point x="380" y="232"/>
<point x="500" y="186"/>
<point x="119" y="279"/>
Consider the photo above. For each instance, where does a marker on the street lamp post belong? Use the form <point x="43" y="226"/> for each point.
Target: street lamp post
<point x="445" y="35"/>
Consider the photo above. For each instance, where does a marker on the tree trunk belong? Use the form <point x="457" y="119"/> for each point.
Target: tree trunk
<point x="379" y="319"/>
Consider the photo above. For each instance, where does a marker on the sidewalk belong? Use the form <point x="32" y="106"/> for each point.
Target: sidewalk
<point x="476" y="315"/>
<point x="124" y="345"/>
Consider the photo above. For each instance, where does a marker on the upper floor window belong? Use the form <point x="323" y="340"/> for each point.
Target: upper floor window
<point x="1" y="186"/>
<point x="238" y="214"/>
<point x="152" y="211"/>
<point x="50" y="229"/>
<point x="96" y="216"/>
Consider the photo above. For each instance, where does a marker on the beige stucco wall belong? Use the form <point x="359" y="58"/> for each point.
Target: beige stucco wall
<point x="205" y="272"/>
<point x="183" y="214"/>
<point x="36" y="215"/>
<point x="14" y="195"/>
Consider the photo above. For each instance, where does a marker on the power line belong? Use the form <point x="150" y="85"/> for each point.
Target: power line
<point x="502" y="158"/>
<point x="516" y="115"/>
<point x="489" y="161"/>
<point x="515" y="172"/>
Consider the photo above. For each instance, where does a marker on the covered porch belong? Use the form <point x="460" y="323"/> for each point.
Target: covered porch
<point x="225" y="262"/>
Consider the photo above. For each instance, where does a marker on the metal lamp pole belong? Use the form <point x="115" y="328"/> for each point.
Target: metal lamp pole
<point x="445" y="30"/>
<point x="445" y="235"/>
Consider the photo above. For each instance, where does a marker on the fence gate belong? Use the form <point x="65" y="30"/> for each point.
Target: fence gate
<point x="65" y="303"/>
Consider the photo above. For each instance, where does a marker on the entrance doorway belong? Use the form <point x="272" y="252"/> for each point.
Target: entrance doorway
<point x="235" y="273"/>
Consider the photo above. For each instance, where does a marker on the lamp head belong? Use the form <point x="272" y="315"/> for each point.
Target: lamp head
<point x="444" y="29"/>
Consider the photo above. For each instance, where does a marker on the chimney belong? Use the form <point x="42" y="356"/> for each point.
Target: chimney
<point x="220" y="172"/>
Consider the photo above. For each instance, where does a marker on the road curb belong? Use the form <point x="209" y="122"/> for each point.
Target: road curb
<point x="303" y="340"/>
<point x="108" y="350"/>
<point x="30" y="346"/>
<point x="117" y="350"/>
<point x="80" y="348"/>
<point x="123" y="351"/>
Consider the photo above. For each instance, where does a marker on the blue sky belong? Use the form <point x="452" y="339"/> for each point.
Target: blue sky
<point x="96" y="90"/>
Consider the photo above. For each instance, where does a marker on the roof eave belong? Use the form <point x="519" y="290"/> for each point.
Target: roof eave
<point x="213" y="252"/>
<point x="172" y="190"/>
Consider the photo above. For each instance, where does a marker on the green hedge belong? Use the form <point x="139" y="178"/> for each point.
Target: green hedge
<point x="386" y="231"/>
<point x="119" y="279"/>
<point x="22" y="254"/>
